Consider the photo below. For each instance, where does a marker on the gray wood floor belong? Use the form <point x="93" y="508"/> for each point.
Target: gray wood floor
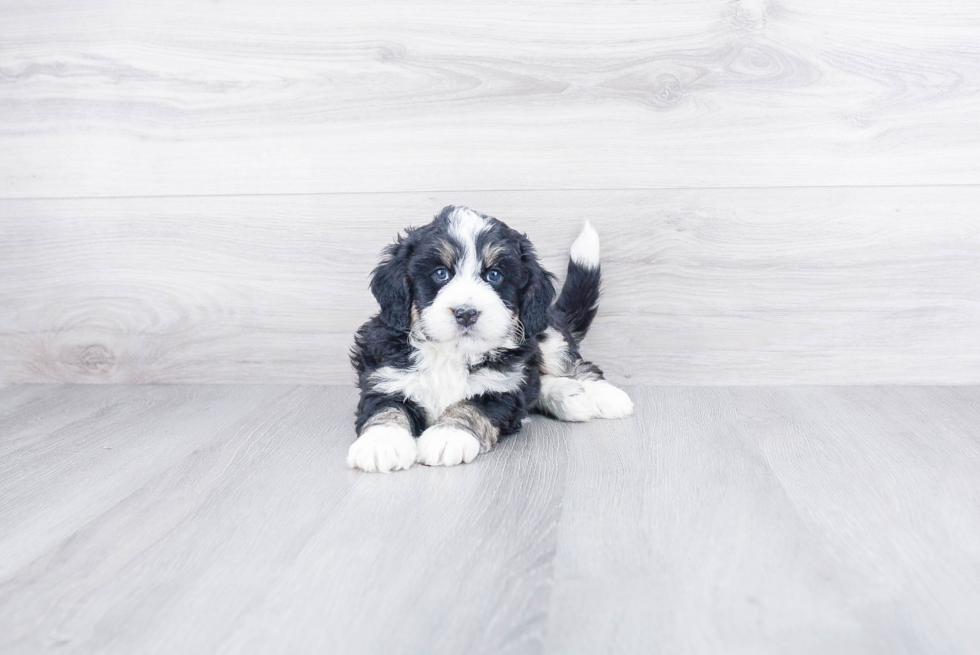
<point x="205" y="519"/>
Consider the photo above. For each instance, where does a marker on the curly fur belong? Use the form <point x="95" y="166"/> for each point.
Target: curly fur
<point x="469" y="329"/>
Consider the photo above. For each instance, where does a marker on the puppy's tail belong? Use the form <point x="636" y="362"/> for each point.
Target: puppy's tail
<point x="579" y="299"/>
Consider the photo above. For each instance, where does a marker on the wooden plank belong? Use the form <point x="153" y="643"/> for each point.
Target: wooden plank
<point x="305" y="96"/>
<point x="738" y="286"/>
<point x="27" y="412"/>
<point x="749" y="519"/>
<point x="261" y="538"/>
<point x="772" y="520"/>
<point x="441" y="561"/>
<point x="55" y="485"/>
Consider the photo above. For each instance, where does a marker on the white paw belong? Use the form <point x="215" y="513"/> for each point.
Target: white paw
<point x="383" y="448"/>
<point x="566" y="399"/>
<point x="444" y="445"/>
<point x="611" y="401"/>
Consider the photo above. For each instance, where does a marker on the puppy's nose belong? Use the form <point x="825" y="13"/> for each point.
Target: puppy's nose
<point x="466" y="315"/>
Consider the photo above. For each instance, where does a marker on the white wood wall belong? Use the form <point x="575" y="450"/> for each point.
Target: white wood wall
<point x="787" y="192"/>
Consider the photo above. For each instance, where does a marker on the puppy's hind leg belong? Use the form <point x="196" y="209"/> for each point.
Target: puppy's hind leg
<point x="573" y="389"/>
<point x="566" y="399"/>
<point x="610" y="401"/>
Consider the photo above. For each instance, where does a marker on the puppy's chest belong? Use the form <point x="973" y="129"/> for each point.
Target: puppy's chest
<point x="439" y="379"/>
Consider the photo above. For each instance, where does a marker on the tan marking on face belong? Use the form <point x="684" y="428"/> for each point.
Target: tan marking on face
<point x="491" y="254"/>
<point x="447" y="253"/>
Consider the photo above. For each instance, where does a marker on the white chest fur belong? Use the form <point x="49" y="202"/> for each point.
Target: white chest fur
<point x="440" y="376"/>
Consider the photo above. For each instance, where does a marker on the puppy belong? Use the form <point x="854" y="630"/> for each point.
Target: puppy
<point x="469" y="340"/>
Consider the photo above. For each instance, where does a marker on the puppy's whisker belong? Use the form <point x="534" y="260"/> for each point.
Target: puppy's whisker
<point x="521" y="335"/>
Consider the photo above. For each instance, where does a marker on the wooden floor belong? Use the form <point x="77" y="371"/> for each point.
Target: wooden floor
<point x="221" y="519"/>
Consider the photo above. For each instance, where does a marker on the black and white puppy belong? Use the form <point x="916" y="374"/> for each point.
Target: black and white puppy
<point x="469" y="340"/>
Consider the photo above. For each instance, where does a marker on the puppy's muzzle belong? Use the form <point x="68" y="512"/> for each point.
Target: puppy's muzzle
<point x="466" y="315"/>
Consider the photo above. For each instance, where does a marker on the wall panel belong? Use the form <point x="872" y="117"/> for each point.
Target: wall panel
<point x="731" y="286"/>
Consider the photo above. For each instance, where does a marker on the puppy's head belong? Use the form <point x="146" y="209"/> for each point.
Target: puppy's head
<point x="465" y="280"/>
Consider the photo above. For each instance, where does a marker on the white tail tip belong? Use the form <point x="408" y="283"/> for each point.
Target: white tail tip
<point x="585" y="250"/>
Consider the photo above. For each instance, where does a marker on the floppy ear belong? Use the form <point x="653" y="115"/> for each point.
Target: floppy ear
<point x="538" y="292"/>
<point x="390" y="286"/>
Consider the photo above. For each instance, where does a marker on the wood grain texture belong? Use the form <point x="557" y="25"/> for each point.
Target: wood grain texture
<point x="221" y="519"/>
<point x="187" y="97"/>
<point x="774" y="520"/>
<point x="736" y="286"/>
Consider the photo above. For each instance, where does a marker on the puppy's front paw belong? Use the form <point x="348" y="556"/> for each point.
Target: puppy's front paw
<point x="383" y="448"/>
<point x="612" y="402"/>
<point x="444" y="445"/>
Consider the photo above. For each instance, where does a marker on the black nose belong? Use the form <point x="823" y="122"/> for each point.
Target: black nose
<point x="466" y="315"/>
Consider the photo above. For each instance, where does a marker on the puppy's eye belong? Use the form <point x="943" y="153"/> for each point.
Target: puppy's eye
<point x="493" y="276"/>
<point x="440" y="274"/>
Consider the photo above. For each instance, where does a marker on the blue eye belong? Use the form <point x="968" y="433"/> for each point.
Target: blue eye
<point x="493" y="276"/>
<point x="440" y="275"/>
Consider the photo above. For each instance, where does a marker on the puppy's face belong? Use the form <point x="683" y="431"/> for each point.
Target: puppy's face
<point x="471" y="282"/>
<point x="467" y="280"/>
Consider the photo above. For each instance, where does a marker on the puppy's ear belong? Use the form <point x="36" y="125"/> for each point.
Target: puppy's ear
<point x="391" y="286"/>
<point x="538" y="292"/>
